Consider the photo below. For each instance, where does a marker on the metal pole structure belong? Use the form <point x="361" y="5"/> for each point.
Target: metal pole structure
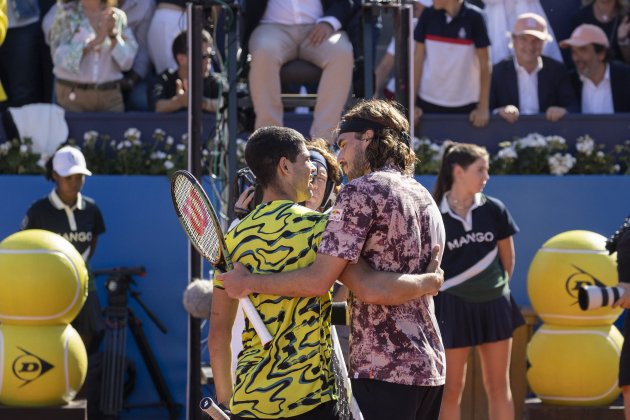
<point x="232" y="106"/>
<point x="195" y="144"/>
<point x="402" y="63"/>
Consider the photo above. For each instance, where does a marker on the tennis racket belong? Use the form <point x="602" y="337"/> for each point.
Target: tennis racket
<point x="200" y="222"/>
<point x="210" y="408"/>
<point x="348" y="405"/>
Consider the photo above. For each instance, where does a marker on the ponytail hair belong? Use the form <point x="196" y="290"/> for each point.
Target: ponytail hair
<point x="462" y="154"/>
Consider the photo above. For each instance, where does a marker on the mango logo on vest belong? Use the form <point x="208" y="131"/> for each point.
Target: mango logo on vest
<point x="29" y="367"/>
<point x="472" y="237"/>
<point x="578" y="279"/>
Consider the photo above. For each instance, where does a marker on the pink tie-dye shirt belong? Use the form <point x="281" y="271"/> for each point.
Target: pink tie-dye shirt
<point x="392" y="221"/>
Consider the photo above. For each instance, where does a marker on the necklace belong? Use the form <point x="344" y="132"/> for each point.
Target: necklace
<point x="604" y="16"/>
<point x="456" y="204"/>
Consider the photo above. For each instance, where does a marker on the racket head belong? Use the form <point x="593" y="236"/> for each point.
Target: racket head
<point x="198" y="218"/>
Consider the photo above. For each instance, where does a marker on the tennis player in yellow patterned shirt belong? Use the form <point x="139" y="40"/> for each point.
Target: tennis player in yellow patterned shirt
<point x="291" y="376"/>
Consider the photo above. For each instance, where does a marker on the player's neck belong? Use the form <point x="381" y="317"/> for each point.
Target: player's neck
<point x="274" y="194"/>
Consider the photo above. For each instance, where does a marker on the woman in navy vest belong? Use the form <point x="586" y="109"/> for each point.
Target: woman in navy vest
<point x="475" y="307"/>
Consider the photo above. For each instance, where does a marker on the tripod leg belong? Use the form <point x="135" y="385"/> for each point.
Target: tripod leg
<point x="111" y="401"/>
<point x="154" y="370"/>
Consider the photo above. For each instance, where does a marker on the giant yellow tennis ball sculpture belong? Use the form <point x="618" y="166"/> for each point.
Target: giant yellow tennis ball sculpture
<point x="563" y="264"/>
<point x="575" y="366"/>
<point x="43" y="279"/>
<point x="40" y="366"/>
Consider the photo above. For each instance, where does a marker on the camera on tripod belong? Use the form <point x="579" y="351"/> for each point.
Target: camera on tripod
<point x="120" y="278"/>
<point x="119" y="318"/>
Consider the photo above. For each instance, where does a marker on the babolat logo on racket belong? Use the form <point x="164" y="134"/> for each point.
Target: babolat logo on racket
<point x="193" y="210"/>
<point x="28" y="367"/>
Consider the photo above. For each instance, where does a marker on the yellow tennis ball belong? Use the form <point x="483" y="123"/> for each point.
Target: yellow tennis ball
<point x="40" y="366"/>
<point x="565" y="263"/>
<point x="43" y="279"/>
<point x="574" y="365"/>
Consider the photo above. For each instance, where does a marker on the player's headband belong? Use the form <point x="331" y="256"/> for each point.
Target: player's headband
<point x="317" y="157"/>
<point x="360" y="125"/>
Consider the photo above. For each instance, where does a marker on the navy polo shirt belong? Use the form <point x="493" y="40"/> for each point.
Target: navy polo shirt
<point x="451" y="72"/>
<point x="471" y="264"/>
<point x="78" y="224"/>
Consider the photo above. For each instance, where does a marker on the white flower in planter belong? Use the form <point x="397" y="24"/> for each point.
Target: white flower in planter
<point x="560" y="164"/>
<point x="90" y="136"/>
<point x="532" y="140"/>
<point x="507" y="153"/>
<point x="585" y="144"/>
<point x="132" y="133"/>
<point x="4" y="148"/>
<point x="168" y="165"/>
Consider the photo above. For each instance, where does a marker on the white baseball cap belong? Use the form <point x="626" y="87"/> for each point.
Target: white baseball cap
<point x="69" y="161"/>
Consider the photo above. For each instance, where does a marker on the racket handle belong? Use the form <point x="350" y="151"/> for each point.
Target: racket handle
<point x="256" y="321"/>
<point x="214" y="411"/>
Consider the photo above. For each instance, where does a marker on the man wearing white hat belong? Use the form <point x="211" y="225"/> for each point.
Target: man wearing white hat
<point x="528" y="82"/>
<point x="602" y="85"/>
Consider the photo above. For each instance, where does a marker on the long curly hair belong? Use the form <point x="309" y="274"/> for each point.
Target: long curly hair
<point x="390" y="144"/>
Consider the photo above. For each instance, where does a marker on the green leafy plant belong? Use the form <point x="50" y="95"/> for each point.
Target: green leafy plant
<point x="428" y="156"/>
<point x="162" y="154"/>
<point x="17" y="157"/>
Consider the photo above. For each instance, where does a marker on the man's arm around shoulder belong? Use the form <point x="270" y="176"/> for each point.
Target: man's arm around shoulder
<point x="384" y="288"/>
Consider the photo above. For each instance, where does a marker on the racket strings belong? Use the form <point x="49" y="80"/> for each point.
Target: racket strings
<point x="342" y="407"/>
<point x="197" y="220"/>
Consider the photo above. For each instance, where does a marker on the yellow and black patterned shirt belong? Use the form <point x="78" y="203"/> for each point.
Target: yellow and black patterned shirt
<point x="291" y="375"/>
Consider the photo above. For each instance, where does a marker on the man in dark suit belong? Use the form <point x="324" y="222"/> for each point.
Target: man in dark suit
<point x="530" y="83"/>
<point x="276" y="32"/>
<point x="602" y="85"/>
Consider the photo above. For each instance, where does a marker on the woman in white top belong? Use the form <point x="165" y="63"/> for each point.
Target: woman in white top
<point x="91" y="46"/>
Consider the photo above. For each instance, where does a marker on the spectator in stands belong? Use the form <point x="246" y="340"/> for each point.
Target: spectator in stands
<point x="277" y="32"/>
<point x="20" y="55"/>
<point x="602" y="85"/>
<point x="613" y="18"/>
<point x="452" y="61"/>
<point x="501" y="16"/>
<point x="135" y="83"/>
<point x="91" y="47"/>
<point x="529" y="82"/>
<point x="170" y="90"/>
<point x="386" y="63"/>
<point x="4" y="25"/>
<point x="168" y="21"/>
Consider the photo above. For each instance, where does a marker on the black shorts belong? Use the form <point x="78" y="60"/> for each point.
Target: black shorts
<point x="325" y="411"/>
<point x="624" y="360"/>
<point x="384" y="400"/>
